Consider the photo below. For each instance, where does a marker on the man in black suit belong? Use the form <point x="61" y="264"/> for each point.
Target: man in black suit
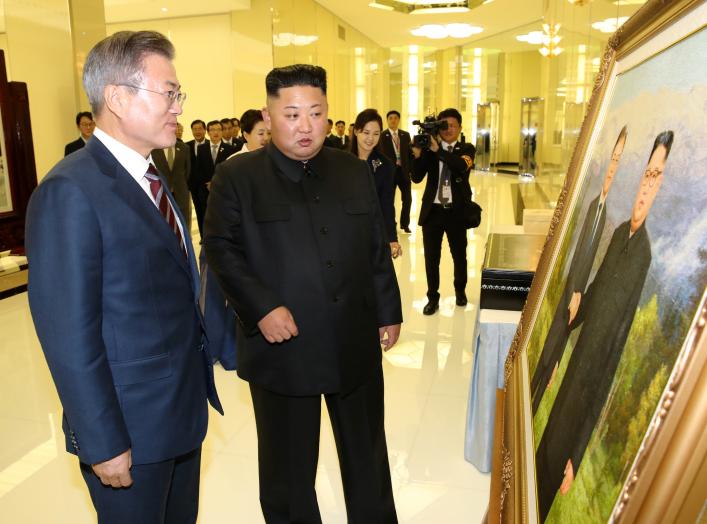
<point x="114" y="294"/>
<point x="174" y="164"/>
<point x="227" y="136"/>
<point x="577" y="279"/>
<point x="447" y="197"/>
<point x="85" y="125"/>
<point x="198" y="131"/>
<point x="208" y="156"/>
<point x="396" y="146"/>
<point x="340" y="140"/>
<point x="295" y="237"/>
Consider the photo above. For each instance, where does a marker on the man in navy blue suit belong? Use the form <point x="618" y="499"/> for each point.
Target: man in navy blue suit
<point x="114" y="292"/>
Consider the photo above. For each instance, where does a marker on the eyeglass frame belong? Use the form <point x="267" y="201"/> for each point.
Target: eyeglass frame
<point x="173" y="96"/>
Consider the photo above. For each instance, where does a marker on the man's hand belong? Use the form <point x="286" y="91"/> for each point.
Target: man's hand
<point x="574" y="306"/>
<point x="116" y="471"/>
<point x="278" y="325"/>
<point x="434" y="145"/>
<point x="416" y="151"/>
<point x="568" y="478"/>
<point x="396" y="249"/>
<point x="208" y="186"/>
<point x="393" y="333"/>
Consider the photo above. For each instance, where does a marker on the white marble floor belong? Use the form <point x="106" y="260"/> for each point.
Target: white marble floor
<point x="426" y="374"/>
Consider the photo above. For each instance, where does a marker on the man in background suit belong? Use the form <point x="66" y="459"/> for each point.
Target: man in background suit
<point x="396" y="146"/>
<point x="114" y="290"/>
<point x="85" y="125"/>
<point x="340" y="140"/>
<point x="174" y="164"/>
<point x="198" y="131"/>
<point x="208" y="156"/>
<point x="315" y="291"/>
<point x="577" y="278"/>
<point x="446" y="164"/>
<point x="227" y="129"/>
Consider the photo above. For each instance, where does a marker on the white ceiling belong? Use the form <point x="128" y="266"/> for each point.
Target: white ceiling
<point x="131" y="10"/>
<point x="501" y="20"/>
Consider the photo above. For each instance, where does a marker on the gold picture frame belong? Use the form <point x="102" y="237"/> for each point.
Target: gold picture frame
<point x="674" y="446"/>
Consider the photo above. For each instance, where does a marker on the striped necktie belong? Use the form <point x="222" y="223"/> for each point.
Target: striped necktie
<point x="163" y="204"/>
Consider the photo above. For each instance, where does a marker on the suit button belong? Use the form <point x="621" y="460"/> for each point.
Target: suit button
<point x="324" y="230"/>
<point x="316" y="199"/>
<point x="336" y="298"/>
<point x="329" y="264"/>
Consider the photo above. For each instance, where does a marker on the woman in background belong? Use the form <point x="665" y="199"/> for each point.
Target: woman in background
<point x="364" y="144"/>
<point x="255" y="134"/>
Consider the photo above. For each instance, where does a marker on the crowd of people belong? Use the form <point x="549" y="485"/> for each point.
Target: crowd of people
<point x="298" y="230"/>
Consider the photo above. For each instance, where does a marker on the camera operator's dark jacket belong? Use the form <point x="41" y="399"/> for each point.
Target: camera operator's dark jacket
<point x="460" y="161"/>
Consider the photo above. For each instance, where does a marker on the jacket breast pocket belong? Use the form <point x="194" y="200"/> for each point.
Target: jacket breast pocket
<point x="357" y="206"/>
<point x="272" y="212"/>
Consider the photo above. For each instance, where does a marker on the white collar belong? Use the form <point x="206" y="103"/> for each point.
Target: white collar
<point x="446" y="146"/>
<point x="133" y="162"/>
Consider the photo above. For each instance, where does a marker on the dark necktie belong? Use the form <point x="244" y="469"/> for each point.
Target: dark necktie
<point x="444" y="180"/>
<point x="163" y="203"/>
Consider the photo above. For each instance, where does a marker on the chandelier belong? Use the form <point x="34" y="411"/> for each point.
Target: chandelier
<point x="550" y="40"/>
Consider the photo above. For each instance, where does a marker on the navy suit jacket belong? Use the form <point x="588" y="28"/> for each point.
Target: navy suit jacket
<point x="115" y="305"/>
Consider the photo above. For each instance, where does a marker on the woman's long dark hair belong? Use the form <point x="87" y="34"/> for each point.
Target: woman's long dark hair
<point x="365" y="116"/>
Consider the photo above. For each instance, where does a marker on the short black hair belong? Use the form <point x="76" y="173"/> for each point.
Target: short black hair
<point x="226" y="121"/>
<point x="664" y="139"/>
<point x="295" y="75"/>
<point x="198" y="121"/>
<point x="212" y="123"/>
<point x="392" y="112"/>
<point x="331" y="122"/>
<point x="340" y="122"/>
<point x="250" y="118"/>
<point x="235" y="121"/>
<point x="82" y="114"/>
<point x="450" y="112"/>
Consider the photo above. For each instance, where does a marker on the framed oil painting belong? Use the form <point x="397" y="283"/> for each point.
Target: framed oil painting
<point x="604" y="372"/>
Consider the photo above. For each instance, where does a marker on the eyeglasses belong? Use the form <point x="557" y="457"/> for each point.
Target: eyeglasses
<point x="651" y="175"/>
<point x="173" y="96"/>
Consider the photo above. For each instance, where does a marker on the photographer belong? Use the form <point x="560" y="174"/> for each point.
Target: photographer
<point x="446" y="203"/>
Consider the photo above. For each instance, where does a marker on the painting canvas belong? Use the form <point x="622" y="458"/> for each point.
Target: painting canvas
<point x="628" y="277"/>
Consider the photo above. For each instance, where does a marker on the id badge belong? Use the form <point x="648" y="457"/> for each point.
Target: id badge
<point x="447" y="192"/>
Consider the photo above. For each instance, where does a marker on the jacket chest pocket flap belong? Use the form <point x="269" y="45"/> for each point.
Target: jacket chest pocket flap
<point x="271" y="212"/>
<point x="357" y="206"/>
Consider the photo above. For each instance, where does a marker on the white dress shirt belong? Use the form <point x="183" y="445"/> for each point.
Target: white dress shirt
<point x="446" y="147"/>
<point x="135" y="164"/>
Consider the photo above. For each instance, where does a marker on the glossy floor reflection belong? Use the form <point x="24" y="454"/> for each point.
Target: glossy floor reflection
<point x="427" y="378"/>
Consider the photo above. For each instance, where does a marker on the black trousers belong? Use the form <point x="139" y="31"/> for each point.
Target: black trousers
<point x="162" y="493"/>
<point x="200" y="196"/>
<point x="288" y="450"/>
<point x="441" y="221"/>
<point x="402" y="182"/>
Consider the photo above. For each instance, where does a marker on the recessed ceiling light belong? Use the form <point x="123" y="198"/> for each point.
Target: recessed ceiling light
<point x="533" y="37"/>
<point x="164" y="9"/>
<point x="437" y="31"/>
<point x="610" y="25"/>
<point x="629" y="2"/>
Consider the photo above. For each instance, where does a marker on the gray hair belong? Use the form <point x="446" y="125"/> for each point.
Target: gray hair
<point x="119" y="59"/>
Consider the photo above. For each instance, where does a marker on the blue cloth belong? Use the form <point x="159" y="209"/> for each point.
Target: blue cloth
<point x="115" y="304"/>
<point x="492" y="344"/>
<point x="219" y="316"/>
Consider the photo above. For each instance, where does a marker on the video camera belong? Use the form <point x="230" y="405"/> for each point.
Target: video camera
<point x="425" y="129"/>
